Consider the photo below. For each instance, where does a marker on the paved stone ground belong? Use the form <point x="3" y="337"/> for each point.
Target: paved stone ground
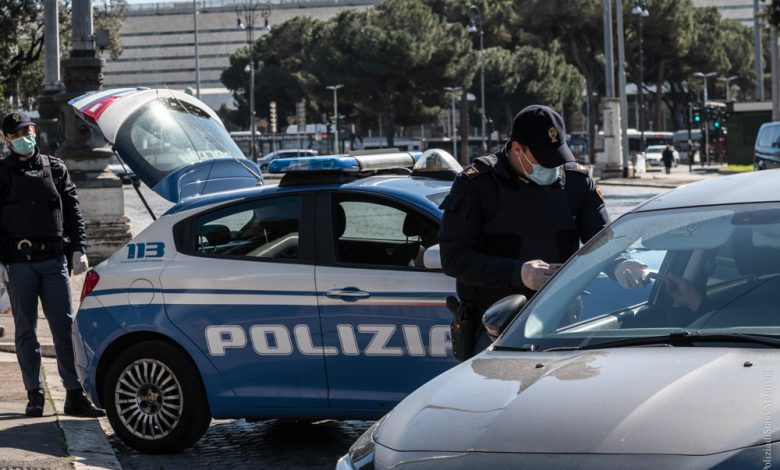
<point x="53" y="441"/>
<point x="27" y="443"/>
<point x="237" y="444"/>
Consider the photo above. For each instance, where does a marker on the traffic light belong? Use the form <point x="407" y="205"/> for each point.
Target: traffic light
<point x="696" y="118"/>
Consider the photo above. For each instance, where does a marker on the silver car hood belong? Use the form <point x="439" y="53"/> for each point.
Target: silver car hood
<point x="649" y="400"/>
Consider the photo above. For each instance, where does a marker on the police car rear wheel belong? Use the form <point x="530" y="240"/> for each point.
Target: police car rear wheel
<point x="154" y="400"/>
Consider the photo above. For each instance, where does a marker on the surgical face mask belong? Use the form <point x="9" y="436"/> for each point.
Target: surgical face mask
<point x="541" y="175"/>
<point x="23" y="145"/>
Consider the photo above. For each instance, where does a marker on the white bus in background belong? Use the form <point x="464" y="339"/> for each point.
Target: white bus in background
<point x="635" y="140"/>
<point x="681" y="143"/>
<point x="404" y="144"/>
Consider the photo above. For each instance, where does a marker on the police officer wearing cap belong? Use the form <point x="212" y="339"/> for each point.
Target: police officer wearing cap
<point x="513" y="217"/>
<point x="40" y="221"/>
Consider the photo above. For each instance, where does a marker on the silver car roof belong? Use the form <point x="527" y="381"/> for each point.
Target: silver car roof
<point x="755" y="186"/>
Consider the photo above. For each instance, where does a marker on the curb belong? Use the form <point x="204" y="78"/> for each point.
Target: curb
<point x="85" y="439"/>
<point x="47" y="349"/>
<point x="647" y="184"/>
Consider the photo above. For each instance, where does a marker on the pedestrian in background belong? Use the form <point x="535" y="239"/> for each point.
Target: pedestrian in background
<point x="668" y="158"/>
<point x="512" y="218"/>
<point x="40" y="222"/>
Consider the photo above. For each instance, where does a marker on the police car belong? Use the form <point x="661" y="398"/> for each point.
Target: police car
<point x="307" y="299"/>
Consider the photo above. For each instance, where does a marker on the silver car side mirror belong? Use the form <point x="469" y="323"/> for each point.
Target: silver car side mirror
<point x="501" y="313"/>
<point x="432" y="257"/>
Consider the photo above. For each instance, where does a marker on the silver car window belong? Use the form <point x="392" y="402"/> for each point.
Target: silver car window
<point x="727" y="259"/>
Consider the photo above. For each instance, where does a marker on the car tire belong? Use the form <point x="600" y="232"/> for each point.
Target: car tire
<point x="154" y="398"/>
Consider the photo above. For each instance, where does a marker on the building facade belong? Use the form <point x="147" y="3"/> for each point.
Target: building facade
<point x="159" y="42"/>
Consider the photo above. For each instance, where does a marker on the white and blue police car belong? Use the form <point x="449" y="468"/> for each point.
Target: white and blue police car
<point x="307" y="299"/>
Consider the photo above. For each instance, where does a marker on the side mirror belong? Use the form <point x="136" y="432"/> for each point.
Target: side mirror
<point x="432" y="257"/>
<point x="501" y="313"/>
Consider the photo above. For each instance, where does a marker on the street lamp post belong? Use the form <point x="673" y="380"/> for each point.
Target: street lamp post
<point x="641" y="12"/>
<point x="622" y="85"/>
<point x="197" y="54"/>
<point x="246" y="15"/>
<point x="335" y="115"/>
<point x="454" y="130"/>
<point x="728" y="81"/>
<point x="476" y="25"/>
<point x="705" y="76"/>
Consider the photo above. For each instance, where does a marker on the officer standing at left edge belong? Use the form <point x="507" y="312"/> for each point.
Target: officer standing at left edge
<point x="40" y="222"/>
<point x="511" y="219"/>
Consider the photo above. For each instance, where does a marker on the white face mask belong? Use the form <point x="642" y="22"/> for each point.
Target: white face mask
<point x="541" y="175"/>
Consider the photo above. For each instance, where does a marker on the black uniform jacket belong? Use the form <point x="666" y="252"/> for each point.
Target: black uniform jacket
<point x="495" y="220"/>
<point x="14" y="169"/>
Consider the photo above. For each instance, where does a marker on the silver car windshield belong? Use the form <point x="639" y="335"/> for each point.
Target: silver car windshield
<point x="711" y="270"/>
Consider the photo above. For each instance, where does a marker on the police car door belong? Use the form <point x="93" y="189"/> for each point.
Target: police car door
<point x="245" y="295"/>
<point x="383" y="315"/>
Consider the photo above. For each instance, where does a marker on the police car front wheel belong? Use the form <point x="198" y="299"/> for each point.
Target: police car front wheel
<point x="152" y="401"/>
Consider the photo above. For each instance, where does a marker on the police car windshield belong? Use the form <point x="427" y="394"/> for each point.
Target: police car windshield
<point x="712" y="270"/>
<point x="169" y="134"/>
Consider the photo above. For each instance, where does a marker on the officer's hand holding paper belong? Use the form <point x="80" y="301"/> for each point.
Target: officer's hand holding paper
<point x="80" y="263"/>
<point x="631" y="274"/>
<point x="536" y="273"/>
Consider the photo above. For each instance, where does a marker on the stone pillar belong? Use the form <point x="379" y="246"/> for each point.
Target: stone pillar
<point x="85" y="154"/>
<point x="609" y="162"/>
<point x="48" y="109"/>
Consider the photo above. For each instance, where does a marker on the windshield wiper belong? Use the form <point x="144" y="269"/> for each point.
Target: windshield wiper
<point x="677" y="338"/>
<point x="524" y="348"/>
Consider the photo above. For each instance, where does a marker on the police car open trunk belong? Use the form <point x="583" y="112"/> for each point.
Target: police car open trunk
<point x="174" y="142"/>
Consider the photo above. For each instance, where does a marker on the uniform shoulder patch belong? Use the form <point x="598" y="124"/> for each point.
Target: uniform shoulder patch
<point x="480" y="166"/>
<point x="574" y="166"/>
<point x="473" y="170"/>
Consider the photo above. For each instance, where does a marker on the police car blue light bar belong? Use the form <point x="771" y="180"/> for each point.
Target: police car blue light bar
<point x="333" y="163"/>
<point x="342" y="163"/>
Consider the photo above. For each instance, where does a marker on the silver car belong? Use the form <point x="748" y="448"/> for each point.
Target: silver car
<point x="266" y="159"/>
<point x="682" y="378"/>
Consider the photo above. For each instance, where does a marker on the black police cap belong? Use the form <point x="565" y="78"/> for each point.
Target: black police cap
<point x="543" y="131"/>
<point x="12" y="122"/>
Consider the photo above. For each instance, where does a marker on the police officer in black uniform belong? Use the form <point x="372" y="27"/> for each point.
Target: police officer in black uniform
<point x="40" y="222"/>
<point x="512" y="218"/>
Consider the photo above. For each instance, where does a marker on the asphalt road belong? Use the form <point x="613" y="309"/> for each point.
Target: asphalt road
<point x="238" y="444"/>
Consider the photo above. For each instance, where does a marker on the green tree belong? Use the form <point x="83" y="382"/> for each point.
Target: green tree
<point x="516" y="79"/>
<point x="393" y="60"/>
<point x="716" y="45"/>
<point x="772" y="13"/>
<point x="22" y="39"/>
<point x="668" y="34"/>
<point x="498" y="16"/>
<point x="109" y="17"/>
<point x="578" y="26"/>
<point x="280" y="70"/>
<point x="21" y="43"/>
<point x="738" y="42"/>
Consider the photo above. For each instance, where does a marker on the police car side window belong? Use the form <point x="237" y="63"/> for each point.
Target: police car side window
<point x="376" y="233"/>
<point x="265" y="229"/>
